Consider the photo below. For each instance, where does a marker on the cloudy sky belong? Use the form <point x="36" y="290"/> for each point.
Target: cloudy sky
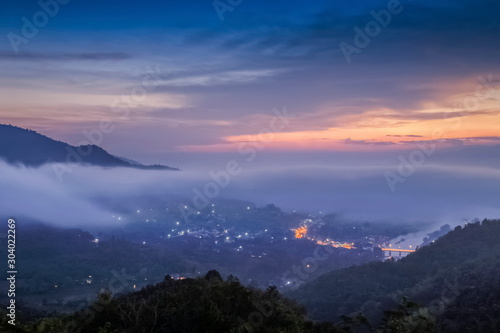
<point x="204" y="76"/>
<point x="380" y="110"/>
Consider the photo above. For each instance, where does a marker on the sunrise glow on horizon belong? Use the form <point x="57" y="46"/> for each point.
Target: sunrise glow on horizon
<point x="189" y="81"/>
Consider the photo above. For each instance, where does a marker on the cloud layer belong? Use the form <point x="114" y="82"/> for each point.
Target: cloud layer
<point x="451" y="185"/>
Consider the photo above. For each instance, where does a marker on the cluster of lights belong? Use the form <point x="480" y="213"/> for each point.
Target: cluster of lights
<point x="300" y="232"/>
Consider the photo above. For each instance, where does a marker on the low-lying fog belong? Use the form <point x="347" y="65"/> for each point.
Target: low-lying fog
<point x="447" y="186"/>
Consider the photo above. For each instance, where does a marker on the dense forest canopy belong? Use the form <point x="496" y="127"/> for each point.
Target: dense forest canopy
<point x="455" y="277"/>
<point x="450" y="285"/>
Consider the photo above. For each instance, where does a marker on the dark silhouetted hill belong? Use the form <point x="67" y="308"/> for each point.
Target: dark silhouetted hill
<point x="206" y="304"/>
<point x="27" y="147"/>
<point x="455" y="278"/>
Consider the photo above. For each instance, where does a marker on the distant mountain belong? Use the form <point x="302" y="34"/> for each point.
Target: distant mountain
<point x="23" y="146"/>
<point x="132" y="162"/>
<point x="455" y="279"/>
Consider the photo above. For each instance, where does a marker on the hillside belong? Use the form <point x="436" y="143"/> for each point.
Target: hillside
<point x="22" y="146"/>
<point x="205" y="304"/>
<point x="450" y="285"/>
<point x="70" y="265"/>
<point x="456" y="279"/>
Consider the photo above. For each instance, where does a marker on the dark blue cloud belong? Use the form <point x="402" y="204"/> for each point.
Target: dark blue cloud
<point x="30" y="56"/>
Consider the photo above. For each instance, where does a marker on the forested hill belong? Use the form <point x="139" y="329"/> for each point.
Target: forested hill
<point x="456" y="281"/>
<point x="206" y="304"/>
<point x="27" y="147"/>
<point x="456" y="278"/>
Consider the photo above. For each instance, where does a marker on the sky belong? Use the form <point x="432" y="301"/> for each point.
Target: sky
<point x="192" y="77"/>
<point x="377" y="110"/>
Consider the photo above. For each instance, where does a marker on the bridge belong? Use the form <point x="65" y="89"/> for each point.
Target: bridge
<point x="396" y="250"/>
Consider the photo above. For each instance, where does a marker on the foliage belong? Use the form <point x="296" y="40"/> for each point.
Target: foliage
<point x="206" y="304"/>
<point x="455" y="278"/>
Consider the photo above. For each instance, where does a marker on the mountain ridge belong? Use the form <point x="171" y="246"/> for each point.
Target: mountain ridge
<point x="455" y="278"/>
<point x="30" y="148"/>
